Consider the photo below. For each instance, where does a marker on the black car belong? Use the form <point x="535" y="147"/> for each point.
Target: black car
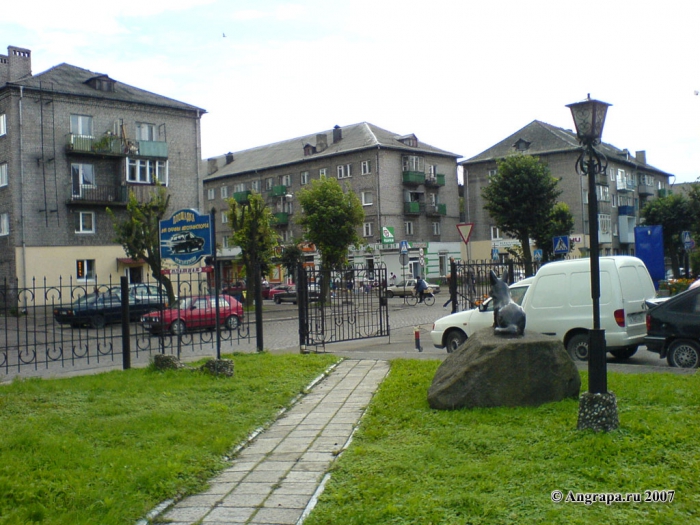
<point x="186" y="242"/>
<point x="97" y="310"/>
<point x="673" y="329"/>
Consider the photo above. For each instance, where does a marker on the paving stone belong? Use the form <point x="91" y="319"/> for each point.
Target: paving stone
<point x="229" y="515"/>
<point x="280" y="516"/>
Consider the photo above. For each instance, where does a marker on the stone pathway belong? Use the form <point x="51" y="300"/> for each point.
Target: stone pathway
<point x="278" y="476"/>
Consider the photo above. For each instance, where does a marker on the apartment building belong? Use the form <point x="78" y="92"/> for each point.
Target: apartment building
<point x="408" y="190"/>
<point x="72" y="144"/>
<point x="628" y="183"/>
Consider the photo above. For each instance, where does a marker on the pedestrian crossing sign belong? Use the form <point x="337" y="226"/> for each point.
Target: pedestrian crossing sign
<point x="561" y="244"/>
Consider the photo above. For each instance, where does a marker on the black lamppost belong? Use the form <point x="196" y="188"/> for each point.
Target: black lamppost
<point x="597" y="407"/>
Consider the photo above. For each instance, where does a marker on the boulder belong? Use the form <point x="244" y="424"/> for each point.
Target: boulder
<point x="495" y="370"/>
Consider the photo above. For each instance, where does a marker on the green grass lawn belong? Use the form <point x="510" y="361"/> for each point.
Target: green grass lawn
<point x="106" y="449"/>
<point x="411" y="464"/>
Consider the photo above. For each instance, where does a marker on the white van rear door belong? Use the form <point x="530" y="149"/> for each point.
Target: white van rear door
<point x="637" y="287"/>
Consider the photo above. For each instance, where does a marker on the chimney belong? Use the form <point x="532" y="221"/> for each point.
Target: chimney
<point x="337" y="134"/>
<point x="641" y="156"/>
<point x="321" y="142"/>
<point x="229" y="158"/>
<point x="211" y="166"/>
<point x="16" y="65"/>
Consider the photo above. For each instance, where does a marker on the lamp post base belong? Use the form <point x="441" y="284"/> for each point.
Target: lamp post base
<point x="598" y="412"/>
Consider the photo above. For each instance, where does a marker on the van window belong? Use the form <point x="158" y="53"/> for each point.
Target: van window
<point x="550" y="291"/>
<point x="580" y="287"/>
<point x="634" y="288"/>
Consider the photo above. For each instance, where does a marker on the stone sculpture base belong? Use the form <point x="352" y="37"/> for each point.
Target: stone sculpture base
<point x="493" y="370"/>
<point x="598" y="412"/>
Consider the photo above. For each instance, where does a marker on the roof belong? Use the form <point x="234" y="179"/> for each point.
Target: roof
<point x="72" y="80"/>
<point x="541" y="138"/>
<point x="355" y="137"/>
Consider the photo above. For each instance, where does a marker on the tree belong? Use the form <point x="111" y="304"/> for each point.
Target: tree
<point x="331" y="218"/>
<point x="292" y="255"/>
<point x="560" y="223"/>
<point x="520" y="198"/>
<point x="139" y="233"/>
<point x="674" y="214"/>
<point x="252" y="224"/>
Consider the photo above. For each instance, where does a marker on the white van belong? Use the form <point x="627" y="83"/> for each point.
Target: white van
<point x="558" y="302"/>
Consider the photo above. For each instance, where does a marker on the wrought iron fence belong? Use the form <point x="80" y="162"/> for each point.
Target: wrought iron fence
<point x="54" y="326"/>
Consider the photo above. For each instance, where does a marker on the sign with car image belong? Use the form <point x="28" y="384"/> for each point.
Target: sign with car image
<point x="185" y="238"/>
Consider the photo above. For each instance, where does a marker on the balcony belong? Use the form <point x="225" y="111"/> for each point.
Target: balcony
<point x="601" y="179"/>
<point x="626" y="210"/>
<point x="282" y="218"/>
<point x="109" y="195"/>
<point x="625" y="185"/>
<point x="435" y="180"/>
<point x="665" y="193"/>
<point x="241" y="197"/>
<point x="155" y="149"/>
<point x="107" y="145"/>
<point x="412" y="208"/>
<point x="436" y="209"/>
<point x="278" y="191"/>
<point x="646" y="189"/>
<point x="414" y="178"/>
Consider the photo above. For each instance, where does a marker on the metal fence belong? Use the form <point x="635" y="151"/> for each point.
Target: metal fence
<point x="73" y="324"/>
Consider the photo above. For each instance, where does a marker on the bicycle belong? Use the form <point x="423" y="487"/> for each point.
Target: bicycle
<point x="428" y="298"/>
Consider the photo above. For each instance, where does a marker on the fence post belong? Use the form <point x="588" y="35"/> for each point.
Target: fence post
<point x="453" y="285"/>
<point x="302" y="305"/>
<point x="126" y="332"/>
<point x="257" y="286"/>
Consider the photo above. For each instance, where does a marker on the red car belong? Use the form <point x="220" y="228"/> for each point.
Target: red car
<point x="195" y="312"/>
<point x="280" y="288"/>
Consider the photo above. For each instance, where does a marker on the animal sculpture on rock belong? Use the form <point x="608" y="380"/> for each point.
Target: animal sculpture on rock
<point x="508" y="316"/>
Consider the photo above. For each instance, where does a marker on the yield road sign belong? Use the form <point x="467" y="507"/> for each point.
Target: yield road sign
<point x="465" y="230"/>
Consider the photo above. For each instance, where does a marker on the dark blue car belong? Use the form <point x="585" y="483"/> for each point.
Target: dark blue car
<point x="97" y="310"/>
<point x="673" y="329"/>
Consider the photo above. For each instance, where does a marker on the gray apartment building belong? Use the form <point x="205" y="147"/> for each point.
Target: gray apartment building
<point x="72" y="144"/>
<point x="622" y="191"/>
<point x="408" y="190"/>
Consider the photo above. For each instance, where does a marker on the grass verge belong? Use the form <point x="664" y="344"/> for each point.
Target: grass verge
<point x="108" y="448"/>
<point x="409" y="464"/>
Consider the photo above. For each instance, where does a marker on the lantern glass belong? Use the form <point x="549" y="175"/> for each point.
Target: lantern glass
<point x="589" y="118"/>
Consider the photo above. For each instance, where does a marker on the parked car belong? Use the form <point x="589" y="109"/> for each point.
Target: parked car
<point x="406" y="287"/>
<point x="451" y="331"/>
<point x="195" y="312"/>
<point x="186" y="242"/>
<point x="149" y="293"/>
<point x="290" y="296"/>
<point x="100" y="309"/>
<point x="673" y="329"/>
<point x="280" y="288"/>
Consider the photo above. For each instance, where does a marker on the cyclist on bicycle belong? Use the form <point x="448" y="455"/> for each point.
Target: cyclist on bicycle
<point x="421" y="287"/>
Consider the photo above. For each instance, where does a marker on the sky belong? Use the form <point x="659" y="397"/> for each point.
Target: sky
<point x="461" y="75"/>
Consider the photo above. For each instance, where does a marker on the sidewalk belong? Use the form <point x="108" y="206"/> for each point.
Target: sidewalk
<point x="278" y="476"/>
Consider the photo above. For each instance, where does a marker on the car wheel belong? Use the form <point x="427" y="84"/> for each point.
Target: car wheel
<point x="454" y="339"/>
<point x="624" y="353"/>
<point x="232" y="322"/>
<point x="277" y="300"/>
<point x="178" y="327"/>
<point x="97" y="321"/>
<point x="578" y="347"/>
<point x="684" y="353"/>
<point x="389" y="294"/>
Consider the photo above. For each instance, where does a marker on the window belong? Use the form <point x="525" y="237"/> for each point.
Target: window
<point x="344" y="171"/>
<point x="81" y="125"/>
<point x="83" y="176"/>
<point x="495" y="232"/>
<point x="145" y="131"/>
<point x="224" y="192"/>
<point x="604" y="223"/>
<point x="3" y="174"/>
<point x="367" y="198"/>
<point x="436" y="228"/>
<point x="286" y="180"/>
<point x="147" y="171"/>
<point x="85" y="222"/>
<point x="85" y="269"/>
<point x="224" y="217"/>
<point x="3" y="124"/>
<point x="603" y="193"/>
<point x="287" y="236"/>
<point x="227" y="242"/>
<point x="432" y="170"/>
<point x="413" y="163"/>
<point x="5" y="224"/>
<point x="366" y="167"/>
<point x="492" y="173"/>
<point x="323" y="173"/>
<point x="367" y="229"/>
<point x="237" y="188"/>
<point x="255" y="186"/>
<point x="408" y="226"/>
<point x="304" y="178"/>
<point x="269" y="183"/>
<point x="211" y="194"/>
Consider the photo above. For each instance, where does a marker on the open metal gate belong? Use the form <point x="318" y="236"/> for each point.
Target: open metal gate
<point x="341" y="305"/>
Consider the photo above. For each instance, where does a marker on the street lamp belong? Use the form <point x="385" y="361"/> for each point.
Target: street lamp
<point x="597" y="407"/>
